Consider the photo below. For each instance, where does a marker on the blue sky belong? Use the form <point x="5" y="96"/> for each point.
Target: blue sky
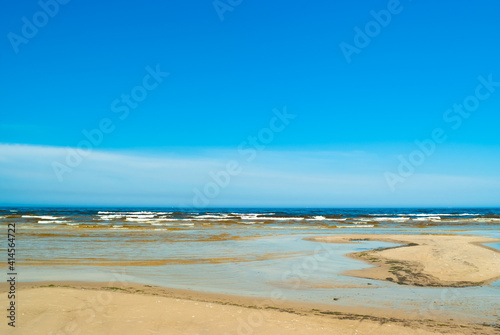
<point x="353" y="120"/>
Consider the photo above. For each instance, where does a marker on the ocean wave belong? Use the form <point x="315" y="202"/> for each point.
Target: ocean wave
<point x="53" y="221"/>
<point x="427" y="218"/>
<point x="166" y="219"/>
<point x="272" y="218"/>
<point x="45" y="217"/>
<point x="240" y="214"/>
<point x="317" y="218"/>
<point x="139" y="219"/>
<point x="402" y="219"/>
<point x="111" y="217"/>
<point x="211" y="216"/>
<point x="128" y="213"/>
<point x="438" y="214"/>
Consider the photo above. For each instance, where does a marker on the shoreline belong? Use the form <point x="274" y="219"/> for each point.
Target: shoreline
<point x="115" y="298"/>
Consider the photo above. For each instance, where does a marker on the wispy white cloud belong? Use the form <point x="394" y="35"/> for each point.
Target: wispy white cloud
<point x="274" y="178"/>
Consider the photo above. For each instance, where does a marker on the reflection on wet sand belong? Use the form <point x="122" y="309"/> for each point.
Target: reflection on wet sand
<point x="160" y="262"/>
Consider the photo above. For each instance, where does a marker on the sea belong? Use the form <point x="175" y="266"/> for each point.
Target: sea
<point x="300" y="218"/>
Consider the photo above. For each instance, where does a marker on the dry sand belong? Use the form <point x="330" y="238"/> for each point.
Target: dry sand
<point x="427" y="260"/>
<point x="91" y="308"/>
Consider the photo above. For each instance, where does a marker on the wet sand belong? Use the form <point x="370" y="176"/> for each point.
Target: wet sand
<point x="98" y="308"/>
<point x="427" y="260"/>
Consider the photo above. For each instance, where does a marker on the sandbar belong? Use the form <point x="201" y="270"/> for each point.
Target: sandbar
<point x="426" y="260"/>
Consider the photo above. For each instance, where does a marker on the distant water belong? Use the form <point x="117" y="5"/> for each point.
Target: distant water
<point x="134" y="218"/>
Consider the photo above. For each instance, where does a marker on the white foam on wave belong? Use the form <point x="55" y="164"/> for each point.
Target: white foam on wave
<point x="254" y="214"/>
<point x="140" y="215"/>
<point x="166" y="219"/>
<point x="111" y="217"/>
<point x="131" y="213"/>
<point x="44" y="217"/>
<point x="209" y="219"/>
<point x="323" y="218"/>
<point x="415" y="214"/>
<point x="438" y="214"/>
<point x="157" y="221"/>
<point x="400" y="219"/>
<point x="211" y="216"/>
<point x="140" y="219"/>
<point x="428" y="218"/>
<point x="249" y="216"/>
<point x="53" y="221"/>
<point x="275" y="218"/>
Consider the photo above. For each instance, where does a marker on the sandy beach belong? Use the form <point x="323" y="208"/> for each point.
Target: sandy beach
<point x="427" y="260"/>
<point x="96" y="308"/>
